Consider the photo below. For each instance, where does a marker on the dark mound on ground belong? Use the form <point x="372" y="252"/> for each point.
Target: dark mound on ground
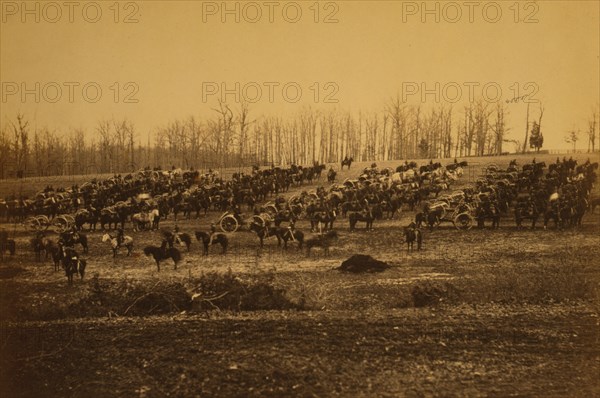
<point x="360" y="263"/>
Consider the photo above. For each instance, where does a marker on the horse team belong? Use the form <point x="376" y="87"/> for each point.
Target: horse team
<point x="558" y="193"/>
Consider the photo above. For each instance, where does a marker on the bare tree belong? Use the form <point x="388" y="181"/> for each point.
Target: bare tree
<point x="21" y="142"/>
<point x="106" y="145"/>
<point x="396" y="110"/>
<point x="499" y="128"/>
<point x="591" y="132"/>
<point x="244" y="125"/>
<point x="5" y="152"/>
<point x="572" y="137"/>
<point x="224" y="136"/>
<point x="526" y="131"/>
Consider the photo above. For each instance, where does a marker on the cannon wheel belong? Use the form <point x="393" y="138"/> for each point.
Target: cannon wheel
<point x="271" y="210"/>
<point x="32" y="224"/>
<point x="60" y="224"/>
<point x="259" y="220"/>
<point x="44" y="221"/>
<point x="463" y="221"/>
<point x="229" y="224"/>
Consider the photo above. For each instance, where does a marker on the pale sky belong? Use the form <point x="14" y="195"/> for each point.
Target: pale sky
<point x="373" y="50"/>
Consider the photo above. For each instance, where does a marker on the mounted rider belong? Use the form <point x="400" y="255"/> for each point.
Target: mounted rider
<point x="291" y="228"/>
<point x="74" y="234"/>
<point x="366" y="211"/>
<point x="69" y="237"/>
<point x="120" y="237"/>
<point x="212" y="234"/>
<point x="237" y="212"/>
<point x="175" y="234"/>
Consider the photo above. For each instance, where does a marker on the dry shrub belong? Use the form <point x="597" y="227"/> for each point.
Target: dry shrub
<point x="308" y="290"/>
<point x="132" y="297"/>
<point x="218" y="291"/>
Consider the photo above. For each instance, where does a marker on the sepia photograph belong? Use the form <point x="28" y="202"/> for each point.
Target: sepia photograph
<point x="310" y="198"/>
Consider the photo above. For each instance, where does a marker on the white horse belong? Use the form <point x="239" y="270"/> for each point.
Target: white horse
<point x="127" y="242"/>
<point x="145" y="220"/>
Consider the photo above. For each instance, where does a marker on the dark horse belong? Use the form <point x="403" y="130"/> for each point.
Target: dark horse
<point x="365" y="215"/>
<point x="561" y="214"/>
<point x="57" y="253"/>
<point x="331" y="175"/>
<point x="322" y="218"/>
<point x="526" y="211"/>
<point x="347" y="162"/>
<point x="72" y="264"/>
<point x="184" y="239"/>
<point x="432" y="217"/>
<point x="412" y="234"/>
<point x="162" y="253"/>
<point x="292" y="235"/>
<point x="74" y="238"/>
<point x="181" y="238"/>
<point x="323" y="241"/>
<point x="204" y="237"/>
<point x="263" y="232"/>
<point x="487" y="211"/>
<point x="40" y="244"/>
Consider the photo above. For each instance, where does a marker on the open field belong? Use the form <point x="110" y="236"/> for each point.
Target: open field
<point x="476" y="313"/>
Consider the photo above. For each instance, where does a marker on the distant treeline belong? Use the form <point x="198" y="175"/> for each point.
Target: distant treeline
<point x="232" y="138"/>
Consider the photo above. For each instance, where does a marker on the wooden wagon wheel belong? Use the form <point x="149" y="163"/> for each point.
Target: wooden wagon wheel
<point x="271" y="210"/>
<point x="268" y="217"/>
<point x="229" y="223"/>
<point x="32" y="224"/>
<point x="60" y="224"/>
<point x="44" y="221"/>
<point x="259" y="220"/>
<point x="463" y="221"/>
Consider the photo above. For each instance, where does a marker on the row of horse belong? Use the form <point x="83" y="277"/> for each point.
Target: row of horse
<point x="63" y="252"/>
<point x="373" y="195"/>
<point x="191" y="191"/>
<point x="560" y="193"/>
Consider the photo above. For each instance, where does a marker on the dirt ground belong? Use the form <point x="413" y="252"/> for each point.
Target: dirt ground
<point x="475" y="313"/>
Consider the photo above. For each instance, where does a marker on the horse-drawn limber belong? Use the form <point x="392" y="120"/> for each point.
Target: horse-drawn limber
<point x="230" y="222"/>
<point x="57" y="224"/>
<point x="453" y="208"/>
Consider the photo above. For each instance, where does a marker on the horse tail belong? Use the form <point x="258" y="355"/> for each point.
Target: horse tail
<point x="185" y="238"/>
<point x="175" y="255"/>
<point x="82" y="265"/>
<point x="299" y="236"/>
